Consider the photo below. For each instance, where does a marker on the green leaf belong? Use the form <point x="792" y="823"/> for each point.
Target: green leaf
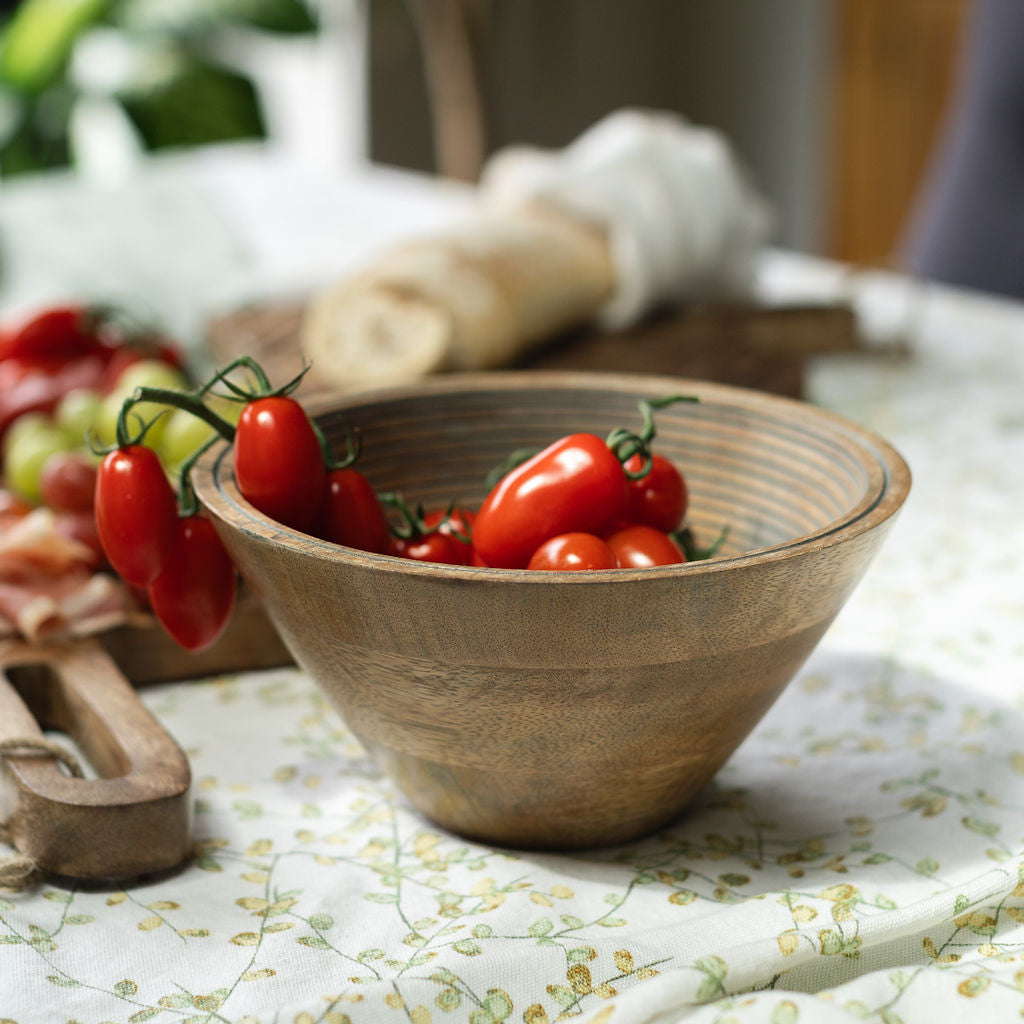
<point x="571" y="921"/>
<point x="321" y="922"/>
<point x="314" y="941"/>
<point x="38" y="39"/>
<point x="62" y="981"/>
<point x="733" y="880"/>
<point x="497" y="1004"/>
<point x="785" y="1013"/>
<point x="714" y="969"/>
<point x="125" y="988"/>
<point x="448" y="999"/>
<point x="381" y="897"/>
<point x="196" y="16"/>
<point x="540" y="927"/>
<point x="582" y="955"/>
<point x="191" y="103"/>
<point x="208" y="863"/>
<point x="369" y="955"/>
<point x="79" y="919"/>
<point x="983" y="828"/>
<point x="143" y="1015"/>
<point x="247" y="810"/>
<point x="467" y="947"/>
<point x="885" y="903"/>
<point x="483" y="931"/>
<point x="57" y="897"/>
<point x="961" y="903"/>
<point x="878" y="858"/>
<point x="927" y="866"/>
<point x="562" y="995"/>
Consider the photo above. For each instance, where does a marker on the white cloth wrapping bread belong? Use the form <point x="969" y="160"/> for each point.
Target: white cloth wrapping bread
<point x="641" y="211"/>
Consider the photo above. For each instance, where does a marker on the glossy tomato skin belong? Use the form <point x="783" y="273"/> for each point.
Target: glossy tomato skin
<point x="279" y="465"/>
<point x="575" y="485"/>
<point x="458" y="525"/>
<point x="429" y="547"/>
<point x="640" y="547"/>
<point x="571" y="551"/>
<point x="660" y="497"/>
<point x="136" y="513"/>
<point x="54" y="335"/>
<point x="194" y="596"/>
<point x="350" y="513"/>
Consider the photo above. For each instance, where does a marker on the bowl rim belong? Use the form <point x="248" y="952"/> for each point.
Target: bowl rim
<point x="214" y="485"/>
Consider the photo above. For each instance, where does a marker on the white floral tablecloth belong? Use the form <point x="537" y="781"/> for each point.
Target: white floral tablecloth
<point x="861" y="857"/>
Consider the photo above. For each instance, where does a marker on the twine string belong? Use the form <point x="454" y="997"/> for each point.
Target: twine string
<point x="18" y="870"/>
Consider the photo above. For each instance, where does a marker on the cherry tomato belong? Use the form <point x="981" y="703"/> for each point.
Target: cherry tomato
<point x="458" y="525"/>
<point x="350" y="513"/>
<point x="136" y="513"/>
<point x="573" y="551"/>
<point x="575" y="485"/>
<point x="659" y="498"/>
<point x="68" y="482"/>
<point x="429" y="547"/>
<point x="195" y="594"/>
<point x="57" y="334"/>
<point x="279" y="464"/>
<point x="639" y="547"/>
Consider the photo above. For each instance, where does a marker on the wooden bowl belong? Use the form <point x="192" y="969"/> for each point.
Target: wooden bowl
<point x="566" y="709"/>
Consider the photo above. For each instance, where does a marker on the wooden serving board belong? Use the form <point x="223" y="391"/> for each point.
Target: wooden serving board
<point x="748" y="346"/>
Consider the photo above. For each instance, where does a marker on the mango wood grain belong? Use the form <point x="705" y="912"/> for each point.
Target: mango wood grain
<point x="571" y="709"/>
<point x="136" y="817"/>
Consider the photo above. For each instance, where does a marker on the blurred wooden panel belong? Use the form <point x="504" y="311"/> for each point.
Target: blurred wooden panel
<point x="896" y="64"/>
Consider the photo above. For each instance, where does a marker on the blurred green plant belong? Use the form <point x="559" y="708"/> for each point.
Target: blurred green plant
<point x="158" y="63"/>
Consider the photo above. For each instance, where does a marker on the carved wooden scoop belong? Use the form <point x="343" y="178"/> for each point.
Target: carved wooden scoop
<point x="134" y="819"/>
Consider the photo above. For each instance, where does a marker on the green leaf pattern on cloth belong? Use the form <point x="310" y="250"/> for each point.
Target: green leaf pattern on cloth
<point x="856" y="828"/>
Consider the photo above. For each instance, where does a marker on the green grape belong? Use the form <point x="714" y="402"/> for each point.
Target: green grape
<point x="26" y="423"/>
<point x="77" y="412"/>
<point x="26" y="456"/>
<point x="182" y="436"/>
<point x="151" y="373"/>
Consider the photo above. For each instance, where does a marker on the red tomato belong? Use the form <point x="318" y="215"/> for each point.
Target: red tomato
<point x="575" y="485"/>
<point x="279" y="464"/>
<point x="195" y="594"/>
<point x="350" y="513"/>
<point x="573" y="551"/>
<point x="56" y="335"/>
<point x="639" y="547"/>
<point x="659" y="498"/>
<point x="68" y="482"/>
<point x="136" y="513"/>
<point x="429" y="547"/>
<point x="458" y="526"/>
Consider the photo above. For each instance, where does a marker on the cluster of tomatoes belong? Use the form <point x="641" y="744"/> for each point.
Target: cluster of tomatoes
<point x="64" y="373"/>
<point x="581" y="503"/>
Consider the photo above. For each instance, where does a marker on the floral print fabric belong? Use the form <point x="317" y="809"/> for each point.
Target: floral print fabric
<point x="861" y="857"/>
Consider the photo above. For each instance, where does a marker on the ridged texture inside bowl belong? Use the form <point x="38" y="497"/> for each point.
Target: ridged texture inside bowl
<point x="571" y="709"/>
<point x="771" y="477"/>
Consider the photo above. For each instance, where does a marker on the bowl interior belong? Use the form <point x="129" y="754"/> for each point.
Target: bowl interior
<point x="773" y="470"/>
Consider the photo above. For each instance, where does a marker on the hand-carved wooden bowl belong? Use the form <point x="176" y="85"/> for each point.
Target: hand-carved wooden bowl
<point x="566" y="709"/>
